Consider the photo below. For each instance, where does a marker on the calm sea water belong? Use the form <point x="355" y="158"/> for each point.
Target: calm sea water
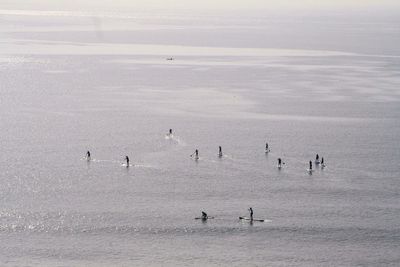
<point x="77" y="81"/>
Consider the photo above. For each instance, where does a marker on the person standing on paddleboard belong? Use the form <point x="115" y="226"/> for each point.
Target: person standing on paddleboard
<point x="127" y="161"/>
<point x="251" y="213"/>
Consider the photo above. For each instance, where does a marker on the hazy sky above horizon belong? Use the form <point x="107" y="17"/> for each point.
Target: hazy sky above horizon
<point x="260" y="3"/>
<point x="211" y="4"/>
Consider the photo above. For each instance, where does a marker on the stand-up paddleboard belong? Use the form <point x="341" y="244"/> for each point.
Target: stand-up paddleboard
<point x="127" y="166"/>
<point x="86" y="159"/>
<point x="310" y="171"/>
<point x="317" y="162"/>
<point x="323" y="165"/>
<point x="248" y="219"/>
<point x="267" y="151"/>
<point x="169" y="136"/>
<point x="201" y="218"/>
<point x="195" y="157"/>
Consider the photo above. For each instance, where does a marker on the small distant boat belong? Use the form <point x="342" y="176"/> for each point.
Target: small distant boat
<point x="170" y="58"/>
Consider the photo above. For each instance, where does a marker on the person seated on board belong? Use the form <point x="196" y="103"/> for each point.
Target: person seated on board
<point x="170" y="132"/>
<point x="88" y="155"/>
<point x="204" y="215"/>
<point x="251" y="213"/>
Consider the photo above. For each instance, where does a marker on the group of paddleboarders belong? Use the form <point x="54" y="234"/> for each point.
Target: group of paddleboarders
<point x="204" y="216"/>
<point x="88" y="158"/>
<point x="195" y="155"/>
<point x="280" y="162"/>
<point x="317" y="162"/>
<point x="267" y="150"/>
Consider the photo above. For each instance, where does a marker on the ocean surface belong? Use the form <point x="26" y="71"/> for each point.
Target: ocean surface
<point x="72" y="81"/>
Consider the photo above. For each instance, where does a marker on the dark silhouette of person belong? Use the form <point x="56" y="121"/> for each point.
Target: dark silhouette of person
<point x="204" y="215"/>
